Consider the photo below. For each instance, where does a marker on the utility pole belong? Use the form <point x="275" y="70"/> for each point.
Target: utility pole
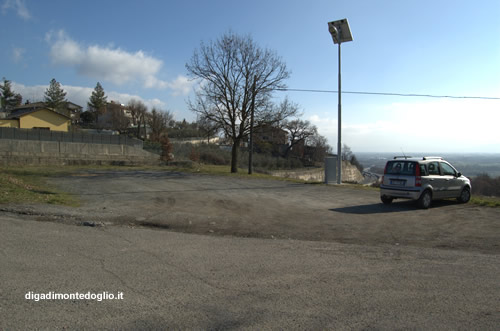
<point x="252" y="111"/>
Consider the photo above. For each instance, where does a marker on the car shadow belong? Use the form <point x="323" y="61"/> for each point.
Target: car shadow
<point x="395" y="207"/>
<point x="376" y="208"/>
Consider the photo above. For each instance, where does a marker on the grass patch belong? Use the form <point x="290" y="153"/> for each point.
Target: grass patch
<point x="29" y="189"/>
<point x="486" y="201"/>
<point x="31" y="185"/>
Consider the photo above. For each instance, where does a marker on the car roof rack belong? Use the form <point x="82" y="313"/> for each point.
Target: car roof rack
<point x="403" y="157"/>
<point x="432" y="158"/>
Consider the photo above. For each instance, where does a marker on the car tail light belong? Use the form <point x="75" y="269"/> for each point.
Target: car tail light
<point x="418" y="178"/>
<point x="385" y="172"/>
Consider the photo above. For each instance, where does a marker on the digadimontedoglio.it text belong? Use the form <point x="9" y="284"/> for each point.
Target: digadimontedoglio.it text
<point x="99" y="296"/>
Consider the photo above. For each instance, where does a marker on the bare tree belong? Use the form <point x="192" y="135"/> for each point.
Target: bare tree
<point x="298" y="131"/>
<point x="138" y="110"/>
<point x="234" y="70"/>
<point x="117" y="118"/>
<point x="279" y="113"/>
<point x="346" y="153"/>
<point x="320" y="147"/>
<point x="208" y="127"/>
<point x="158" y="121"/>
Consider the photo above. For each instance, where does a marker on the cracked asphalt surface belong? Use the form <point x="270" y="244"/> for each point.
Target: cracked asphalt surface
<point x="207" y="252"/>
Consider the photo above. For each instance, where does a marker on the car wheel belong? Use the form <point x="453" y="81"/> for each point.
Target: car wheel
<point x="425" y="200"/>
<point x="385" y="199"/>
<point x="464" y="195"/>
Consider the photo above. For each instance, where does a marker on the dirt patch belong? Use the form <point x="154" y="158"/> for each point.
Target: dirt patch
<point x="219" y="205"/>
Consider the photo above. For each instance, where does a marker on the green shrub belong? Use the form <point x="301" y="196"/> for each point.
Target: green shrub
<point x="210" y="157"/>
<point x="153" y="147"/>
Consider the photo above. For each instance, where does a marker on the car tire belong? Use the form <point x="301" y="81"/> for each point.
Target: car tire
<point x="425" y="199"/>
<point x="386" y="200"/>
<point x="464" y="195"/>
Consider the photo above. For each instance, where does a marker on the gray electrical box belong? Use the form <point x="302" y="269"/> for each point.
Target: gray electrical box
<point x="331" y="170"/>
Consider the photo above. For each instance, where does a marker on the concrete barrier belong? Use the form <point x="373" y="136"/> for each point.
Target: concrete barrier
<point x="310" y="175"/>
<point x="350" y="174"/>
<point x="19" y="152"/>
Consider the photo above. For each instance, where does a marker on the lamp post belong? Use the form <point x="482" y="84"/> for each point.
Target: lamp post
<point x="341" y="33"/>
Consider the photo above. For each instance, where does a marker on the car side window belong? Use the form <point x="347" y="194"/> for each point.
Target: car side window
<point x="423" y="170"/>
<point x="447" y="169"/>
<point x="433" y="168"/>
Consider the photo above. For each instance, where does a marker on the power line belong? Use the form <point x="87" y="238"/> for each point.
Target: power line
<point x="388" y="94"/>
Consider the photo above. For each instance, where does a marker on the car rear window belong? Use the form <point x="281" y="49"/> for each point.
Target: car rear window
<point x="401" y="168"/>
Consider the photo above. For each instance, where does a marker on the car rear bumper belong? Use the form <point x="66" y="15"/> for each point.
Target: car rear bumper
<point x="399" y="193"/>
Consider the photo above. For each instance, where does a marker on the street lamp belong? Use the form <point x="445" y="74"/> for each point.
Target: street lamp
<point x="341" y="33"/>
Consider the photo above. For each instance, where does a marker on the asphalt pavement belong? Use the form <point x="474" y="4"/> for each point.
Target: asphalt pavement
<point x="173" y="280"/>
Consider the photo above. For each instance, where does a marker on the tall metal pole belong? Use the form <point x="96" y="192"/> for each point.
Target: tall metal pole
<point x="339" y="142"/>
<point x="340" y="32"/>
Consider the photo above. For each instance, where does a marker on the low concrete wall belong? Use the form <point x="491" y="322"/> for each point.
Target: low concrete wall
<point x="310" y="175"/>
<point x="350" y="174"/>
<point x="17" y="152"/>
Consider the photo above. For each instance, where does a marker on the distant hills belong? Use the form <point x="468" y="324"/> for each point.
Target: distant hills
<point x="470" y="164"/>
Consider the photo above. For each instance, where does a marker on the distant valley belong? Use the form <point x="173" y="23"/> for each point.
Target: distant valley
<point x="470" y="164"/>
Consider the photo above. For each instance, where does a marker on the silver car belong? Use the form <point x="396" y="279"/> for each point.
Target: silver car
<point x="423" y="179"/>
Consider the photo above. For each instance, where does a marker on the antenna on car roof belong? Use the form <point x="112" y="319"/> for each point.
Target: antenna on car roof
<point x="403" y="152"/>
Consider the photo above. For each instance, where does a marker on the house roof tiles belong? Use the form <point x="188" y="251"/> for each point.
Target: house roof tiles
<point x="19" y="112"/>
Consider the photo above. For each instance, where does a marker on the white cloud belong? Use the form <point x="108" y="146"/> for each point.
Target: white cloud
<point x="18" y="6"/>
<point x="182" y="85"/>
<point x="445" y="125"/>
<point x="18" y="54"/>
<point x="111" y="64"/>
<point x="326" y="126"/>
<point x="125" y="98"/>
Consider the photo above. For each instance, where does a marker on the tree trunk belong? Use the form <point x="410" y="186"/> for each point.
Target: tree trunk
<point x="234" y="155"/>
<point x="289" y="147"/>
<point x="287" y="151"/>
<point x="138" y="133"/>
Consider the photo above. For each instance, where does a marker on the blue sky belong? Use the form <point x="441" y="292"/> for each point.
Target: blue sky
<point x="138" y="49"/>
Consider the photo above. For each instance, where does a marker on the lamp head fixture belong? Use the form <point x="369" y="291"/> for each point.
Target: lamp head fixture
<point x="340" y="31"/>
